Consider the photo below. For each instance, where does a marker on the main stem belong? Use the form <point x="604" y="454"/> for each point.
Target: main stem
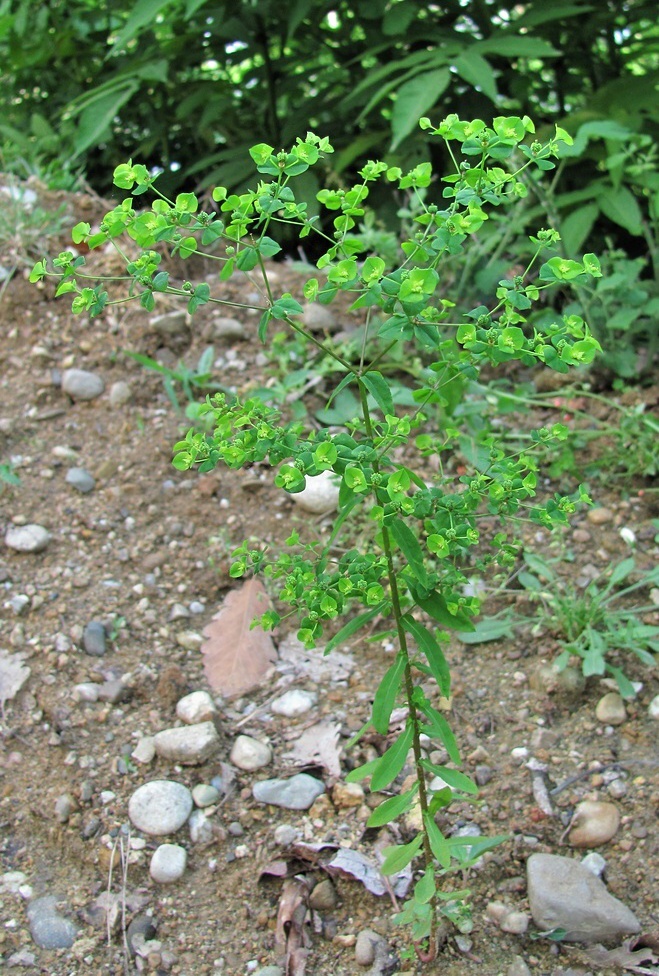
<point x="409" y="694"/>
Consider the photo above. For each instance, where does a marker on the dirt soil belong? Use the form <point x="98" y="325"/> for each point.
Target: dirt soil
<point x="135" y="553"/>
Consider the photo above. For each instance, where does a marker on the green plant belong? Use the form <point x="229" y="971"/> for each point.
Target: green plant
<point x="8" y="478"/>
<point x="193" y="381"/>
<point x="595" y="621"/>
<point x="409" y="574"/>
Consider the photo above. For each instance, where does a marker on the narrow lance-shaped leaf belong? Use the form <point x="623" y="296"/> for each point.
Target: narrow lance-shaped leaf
<point x="385" y="696"/>
<point x="410" y="547"/>
<point x="438" y="843"/>
<point x="392" y="808"/>
<point x="398" y="857"/>
<point x="452" y="777"/>
<point x="439" y="728"/>
<point x="380" y="390"/>
<point x="353" y="626"/>
<point x="433" y="652"/>
<point x="390" y="764"/>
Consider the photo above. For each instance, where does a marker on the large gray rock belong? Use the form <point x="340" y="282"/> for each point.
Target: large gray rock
<point x="190" y="744"/>
<point x="160" y="807"/>
<point x="296" y="793"/>
<point x="564" y="894"/>
<point x="27" y="538"/>
<point x="80" y="384"/>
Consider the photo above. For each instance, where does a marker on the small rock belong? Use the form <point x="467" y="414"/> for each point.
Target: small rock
<point x="120" y="393"/>
<point x="549" y="680"/>
<point x="515" y="922"/>
<point x="23" y="958"/>
<point x="205" y="795"/>
<point x="483" y="774"/>
<point x="170" y="324"/>
<point x="196" y="707"/>
<point x="27" y="538"/>
<point x="200" y="827"/>
<point x="320" y="494"/>
<point x="611" y="709"/>
<point x="81" y="480"/>
<point x="236" y="829"/>
<point x="94" y="638"/>
<point x="189" y="640"/>
<point x="617" y="788"/>
<point x="296" y="793"/>
<point x="86" y="691"/>
<point x="565" y="894"/>
<point x="249" y="754"/>
<point x="653" y="708"/>
<point x="318" y="318"/>
<point x="168" y="863"/>
<point x="346" y="795"/>
<point x="80" y="384"/>
<point x="160" y="807"/>
<point x="190" y="745"/>
<point x="145" y="750"/>
<point x="224" y="328"/>
<point x="518" y="968"/>
<point x="270" y="971"/>
<point x="581" y="535"/>
<point x="293" y="703"/>
<point x="113" y="691"/>
<point x="286" y="834"/>
<point x="543" y="738"/>
<point x="142" y="928"/>
<point x="595" y="863"/>
<point x="594" y="822"/>
<point x="48" y="928"/>
<point x="64" y="807"/>
<point x="323" y="898"/>
<point x="599" y="516"/>
<point x="365" y="945"/>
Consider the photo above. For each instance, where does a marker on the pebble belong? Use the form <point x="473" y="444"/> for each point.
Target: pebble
<point x="23" y="958"/>
<point x="320" y="494"/>
<point x="653" y="708"/>
<point x="565" y="894"/>
<point x="50" y="929"/>
<point x="599" y="516"/>
<point x="142" y="929"/>
<point x="223" y="327"/>
<point x="120" y="393"/>
<point x="168" y="863"/>
<point x="94" y="638"/>
<point x="86" y="691"/>
<point x="594" y="822"/>
<point x="323" y="898"/>
<point x="20" y="603"/>
<point x="549" y="680"/>
<point x="516" y="923"/>
<point x="270" y="971"/>
<point x="160" y="807"/>
<point x="286" y="834"/>
<point x="365" y="945"/>
<point x="483" y="774"/>
<point x="249" y="754"/>
<point x="145" y="750"/>
<point x="518" y="968"/>
<point x="27" y="538"/>
<point x="196" y="707"/>
<point x="543" y="738"/>
<point x="346" y="795"/>
<point x="170" y="324"/>
<point x="595" y="863"/>
<point x="205" y="795"/>
<point x="610" y="709"/>
<point x="296" y="793"/>
<point x="64" y="807"/>
<point x="293" y="703"/>
<point x="200" y="827"/>
<point x="617" y="789"/>
<point x="190" y="745"/>
<point x="189" y="640"/>
<point x="80" y="384"/>
<point x="81" y="480"/>
<point x="11" y="882"/>
<point x="318" y="318"/>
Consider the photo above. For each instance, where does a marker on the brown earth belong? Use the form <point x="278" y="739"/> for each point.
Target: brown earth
<point x="148" y="538"/>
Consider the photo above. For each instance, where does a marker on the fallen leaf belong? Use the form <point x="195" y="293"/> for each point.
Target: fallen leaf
<point x="238" y="658"/>
<point x="318" y="745"/>
<point x="630" y="957"/>
<point x="295" y="658"/>
<point x="367" y="871"/>
<point x="14" y="672"/>
<point x="292" y="932"/>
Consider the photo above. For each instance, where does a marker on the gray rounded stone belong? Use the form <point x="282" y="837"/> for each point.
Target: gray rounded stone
<point x="80" y="384"/>
<point x="120" y="393"/>
<point x="168" y="863"/>
<point x="296" y="793"/>
<point x="190" y="744"/>
<point x="249" y="754"/>
<point x="319" y="495"/>
<point x="48" y="928"/>
<point x="160" y="807"/>
<point x="200" y="827"/>
<point x="94" y="638"/>
<point x="27" y="538"/>
<point x="293" y="703"/>
<point x="81" y="480"/>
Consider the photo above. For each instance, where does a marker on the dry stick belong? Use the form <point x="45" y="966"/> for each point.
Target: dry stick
<point x="589" y="772"/>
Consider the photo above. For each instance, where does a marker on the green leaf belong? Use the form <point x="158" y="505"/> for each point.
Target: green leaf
<point x="413" y="99"/>
<point x="361" y="772"/>
<point x="476" y="71"/>
<point x="285" y="306"/>
<point x="390" y="764"/>
<point x="513" y="45"/>
<point x="263" y="325"/>
<point x="490" y="629"/>
<point x="353" y="626"/>
<point x="380" y="390"/>
<point x="435" y="606"/>
<point x="385" y="696"/>
<point x="409" y="545"/>
<point x="452" y="777"/>
<point x="425" y="888"/>
<point x="621" y="206"/>
<point x="433" y="652"/>
<point x="144" y="12"/>
<point x="399" y="856"/>
<point x="392" y="808"/>
<point x="438" y="843"/>
<point x="99" y="113"/>
<point x="439" y="728"/>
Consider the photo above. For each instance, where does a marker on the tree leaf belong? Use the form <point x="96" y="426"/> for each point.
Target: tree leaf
<point x="476" y="71"/>
<point x="238" y="658"/>
<point x="380" y="390"/>
<point x="413" y="99"/>
<point x="143" y="13"/>
<point x="354" y="625"/>
<point x="98" y="115"/>
<point x="390" y="764"/>
<point x="318" y="745"/>
<point x="399" y="856"/>
<point x="621" y="206"/>
<point x="411" y="549"/>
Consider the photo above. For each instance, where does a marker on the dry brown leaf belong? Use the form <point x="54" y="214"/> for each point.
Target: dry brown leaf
<point x="14" y="672"/>
<point x="238" y="658"/>
<point x="318" y="745"/>
<point x="292" y="932"/>
<point x="630" y="957"/>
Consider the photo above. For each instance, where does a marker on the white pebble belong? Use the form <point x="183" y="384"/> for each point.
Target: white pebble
<point x="320" y="495"/>
<point x="160" y="807"/>
<point x="249" y="754"/>
<point x="653" y="708"/>
<point x="168" y="863"/>
<point x="595" y="863"/>
<point x="293" y="703"/>
<point x="196" y="707"/>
